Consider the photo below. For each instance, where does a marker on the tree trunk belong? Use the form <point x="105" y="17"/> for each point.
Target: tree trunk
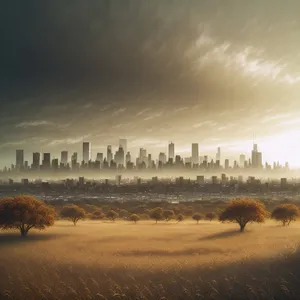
<point x="197" y="221"/>
<point x="74" y="223"/>
<point x="242" y="229"/>
<point x="23" y="232"/>
<point x="156" y="221"/>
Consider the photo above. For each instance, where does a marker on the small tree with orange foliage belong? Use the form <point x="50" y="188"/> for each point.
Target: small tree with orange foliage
<point x="24" y="213"/>
<point x="244" y="211"/>
<point x="73" y="213"/>
<point x="285" y="213"/>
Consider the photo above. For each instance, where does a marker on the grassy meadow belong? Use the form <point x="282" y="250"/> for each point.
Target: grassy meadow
<point x="122" y="260"/>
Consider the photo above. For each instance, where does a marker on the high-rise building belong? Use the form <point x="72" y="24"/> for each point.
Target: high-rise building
<point x="218" y="155"/>
<point x="55" y="163"/>
<point x="242" y="160"/>
<point x="99" y="157"/>
<point x="74" y="158"/>
<point x="128" y="157"/>
<point x="19" y="159"/>
<point x="171" y="151"/>
<point x="149" y="163"/>
<point x="86" y="152"/>
<point x="109" y="155"/>
<point x="36" y="160"/>
<point x="226" y="163"/>
<point x="195" y="154"/>
<point x="64" y="157"/>
<point x="46" y="161"/>
<point x="259" y="159"/>
<point x="256" y="157"/>
<point x="143" y="156"/>
<point x="162" y="158"/>
<point x="119" y="158"/>
<point x="123" y="144"/>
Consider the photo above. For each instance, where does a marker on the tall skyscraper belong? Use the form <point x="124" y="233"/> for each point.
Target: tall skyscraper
<point x="149" y="162"/>
<point x="256" y="157"/>
<point x="86" y="152"/>
<point x="162" y="157"/>
<point x="195" y="154"/>
<point x="128" y="157"/>
<point x="218" y="156"/>
<point x="171" y="151"/>
<point x="99" y="157"/>
<point x="19" y="159"/>
<point x="74" y="158"/>
<point x="120" y="155"/>
<point x="226" y="163"/>
<point x="109" y="155"/>
<point x="123" y="144"/>
<point x="259" y="160"/>
<point x="46" y="161"/>
<point x="143" y="156"/>
<point x="36" y="160"/>
<point x="64" y="157"/>
<point x="242" y="160"/>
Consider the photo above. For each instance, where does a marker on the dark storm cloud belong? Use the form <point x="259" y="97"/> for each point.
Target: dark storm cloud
<point x="146" y="69"/>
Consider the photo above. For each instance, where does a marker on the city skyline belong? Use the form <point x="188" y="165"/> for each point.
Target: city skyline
<point x="119" y="158"/>
<point x="153" y="71"/>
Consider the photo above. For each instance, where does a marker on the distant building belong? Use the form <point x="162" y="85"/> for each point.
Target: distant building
<point x="64" y="157"/>
<point x="128" y="158"/>
<point x="242" y="160"/>
<point x="86" y="152"/>
<point x="226" y="163"/>
<point x="19" y="159"/>
<point x="109" y="155"/>
<point x="100" y="158"/>
<point x="162" y="157"/>
<point x="120" y="156"/>
<point x="55" y="163"/>
<point x="36" y="160"/>
<point x="46" y="161"/>
<point x="200" y="179"/>
<point x="123" y="144"/>
<point x="218" y="155"/>
<point x="171" y="151"/>
<point x="195" y="154"/>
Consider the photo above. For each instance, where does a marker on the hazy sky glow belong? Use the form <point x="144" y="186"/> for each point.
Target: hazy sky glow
<point x="213" y="72"/>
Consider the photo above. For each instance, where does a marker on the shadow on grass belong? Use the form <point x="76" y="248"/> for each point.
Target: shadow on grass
<point x="16" y="238"/>
<point x="223" y="235"/>
<point x="184" y="252"/>
<point x="65" y="225"/>
<point x="274" y="278"/>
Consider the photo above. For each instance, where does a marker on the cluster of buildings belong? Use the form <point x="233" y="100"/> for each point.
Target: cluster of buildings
<point x="122" y="159"/>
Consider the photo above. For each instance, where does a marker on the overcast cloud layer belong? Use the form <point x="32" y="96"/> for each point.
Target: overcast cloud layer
<point x="213" y="72"/>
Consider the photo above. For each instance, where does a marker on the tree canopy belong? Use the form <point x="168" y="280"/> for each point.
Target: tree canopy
<point x="168" y="215"/>
<point x="210" y="216"/>
<point x="285" y="213"/>
<point x="134" y="218"/>
<point x="112" y="215"/>
<point x="156" y="214"/>
<point x="73" y="213"/>
<point x="24" y="213"/>
<point x="197" y="217"/>
<point x="179" y="218"/>
<point x="243" y="211"/>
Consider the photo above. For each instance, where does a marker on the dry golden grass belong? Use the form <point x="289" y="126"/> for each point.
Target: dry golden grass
<point x="122" y="260"/>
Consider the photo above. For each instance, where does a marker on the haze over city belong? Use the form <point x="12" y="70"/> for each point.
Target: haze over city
<point x="209" y="72"/>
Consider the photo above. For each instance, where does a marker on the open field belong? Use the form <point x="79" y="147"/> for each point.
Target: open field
<point x="121" y="260"/>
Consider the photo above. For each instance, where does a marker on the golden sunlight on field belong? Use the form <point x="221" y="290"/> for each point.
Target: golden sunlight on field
<point x="121" y="260"/>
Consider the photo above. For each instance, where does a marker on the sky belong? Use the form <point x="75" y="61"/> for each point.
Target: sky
<point x="220" y="73"/>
